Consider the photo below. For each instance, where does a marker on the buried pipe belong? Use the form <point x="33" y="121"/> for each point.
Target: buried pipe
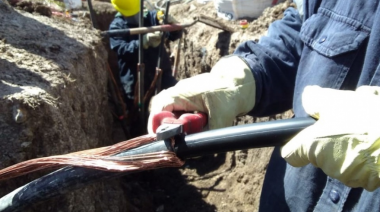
<point x="256" y="135"/>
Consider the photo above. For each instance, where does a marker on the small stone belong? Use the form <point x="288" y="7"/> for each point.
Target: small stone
<point x="9" y="54"/>
<point x="19" y="114"/>
<point x="192" y="8"/>
<point x="26" y="144"/>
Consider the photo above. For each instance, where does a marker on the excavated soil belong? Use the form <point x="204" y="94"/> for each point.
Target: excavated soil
<point x="54" y="100"/>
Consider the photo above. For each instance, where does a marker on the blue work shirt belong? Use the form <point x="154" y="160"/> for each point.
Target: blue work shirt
<point x="336" y="45"/>
<point x="127" y="48"/>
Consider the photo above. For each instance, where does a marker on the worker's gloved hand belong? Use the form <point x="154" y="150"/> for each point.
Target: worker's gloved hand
<point x="345" y="141"/>
<point x="152" y="39"/>
<point x="161" y="15"/>
<point x="224" y="93"/>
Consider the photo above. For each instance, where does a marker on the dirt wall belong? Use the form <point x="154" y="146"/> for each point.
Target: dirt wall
<point x="53" y="88"/>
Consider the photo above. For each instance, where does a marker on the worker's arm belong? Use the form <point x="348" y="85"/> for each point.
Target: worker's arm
<point x="274" y="61"/>
<point x="258" y="76"/>
<point x="125" y="46"/>
<point x="222" y="94"/>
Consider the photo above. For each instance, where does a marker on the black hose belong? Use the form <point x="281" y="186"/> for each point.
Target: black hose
<point x="52" y="185"/>
<point x="256" y="135"/>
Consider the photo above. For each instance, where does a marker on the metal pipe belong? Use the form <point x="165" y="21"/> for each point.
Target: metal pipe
<point x="141" y="71"/>
<point x="161" y="48"/>
<point x="92" y="15"/>
<point x="141" y="30"/>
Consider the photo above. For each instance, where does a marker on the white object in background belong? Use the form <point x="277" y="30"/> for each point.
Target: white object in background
<point x="203" y="1"/>
<point x="237" y="9"/>
<point x="224" y="9"/>
<point x="73" y="4"/>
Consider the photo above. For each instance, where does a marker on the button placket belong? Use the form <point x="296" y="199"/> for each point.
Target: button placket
<point x="322" y="39"/>
<point x="333" y="197"/>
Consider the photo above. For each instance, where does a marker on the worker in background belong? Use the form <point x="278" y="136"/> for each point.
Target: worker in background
<point x="326" y="66"/>
<point x="127" y="47"/>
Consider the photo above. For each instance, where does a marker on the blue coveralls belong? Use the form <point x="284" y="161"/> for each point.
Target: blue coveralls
<point x="336" y="45"/>
<point x="127" y="48"/>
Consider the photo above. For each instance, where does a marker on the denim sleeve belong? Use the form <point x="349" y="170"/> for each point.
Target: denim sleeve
<point x="124" y="46"/>
<point x="274" y="61"/>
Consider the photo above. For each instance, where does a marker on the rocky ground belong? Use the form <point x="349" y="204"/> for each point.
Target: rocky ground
<point x="54" y="100"/>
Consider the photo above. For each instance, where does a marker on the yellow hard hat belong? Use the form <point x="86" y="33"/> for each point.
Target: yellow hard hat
<point x="127" y="7"/>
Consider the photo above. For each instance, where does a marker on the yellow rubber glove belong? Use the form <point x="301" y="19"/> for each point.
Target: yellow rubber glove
<point x="152" y="39"/>
<point x="345" y="141"/>
<point x="224" y="93"/>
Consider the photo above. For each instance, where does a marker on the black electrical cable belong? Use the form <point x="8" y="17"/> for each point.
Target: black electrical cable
<point x="256" y="135"/>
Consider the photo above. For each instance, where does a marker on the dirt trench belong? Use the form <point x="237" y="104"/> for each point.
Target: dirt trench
<point x="53" y="84"/>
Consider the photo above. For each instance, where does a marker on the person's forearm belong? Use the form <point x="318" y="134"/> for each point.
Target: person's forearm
<point x="122" y="45"/>
<point x="124" y="48"/>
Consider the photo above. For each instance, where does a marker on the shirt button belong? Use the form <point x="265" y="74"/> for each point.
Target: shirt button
<point x="323" y="39"/>
<point x="334" y="196"/>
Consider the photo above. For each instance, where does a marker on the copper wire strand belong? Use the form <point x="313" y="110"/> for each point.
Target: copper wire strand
<point x="101" y="159"/>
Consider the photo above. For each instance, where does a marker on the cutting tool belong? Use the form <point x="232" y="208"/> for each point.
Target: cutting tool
<point x="168" y="124"/>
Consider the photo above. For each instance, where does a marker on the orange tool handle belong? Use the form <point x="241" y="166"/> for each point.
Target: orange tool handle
<point x="191" y="122"/>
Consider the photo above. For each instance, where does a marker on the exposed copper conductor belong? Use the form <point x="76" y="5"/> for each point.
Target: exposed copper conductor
<point x="100" y="158"/>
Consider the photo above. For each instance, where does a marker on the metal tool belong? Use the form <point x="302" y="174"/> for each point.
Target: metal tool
<point x="161" y="48"/>
<point x="177" y="58"/>
<point x="168" y="27"/>
<point x="167" y="125"/>
<point x="141" y="71"/>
